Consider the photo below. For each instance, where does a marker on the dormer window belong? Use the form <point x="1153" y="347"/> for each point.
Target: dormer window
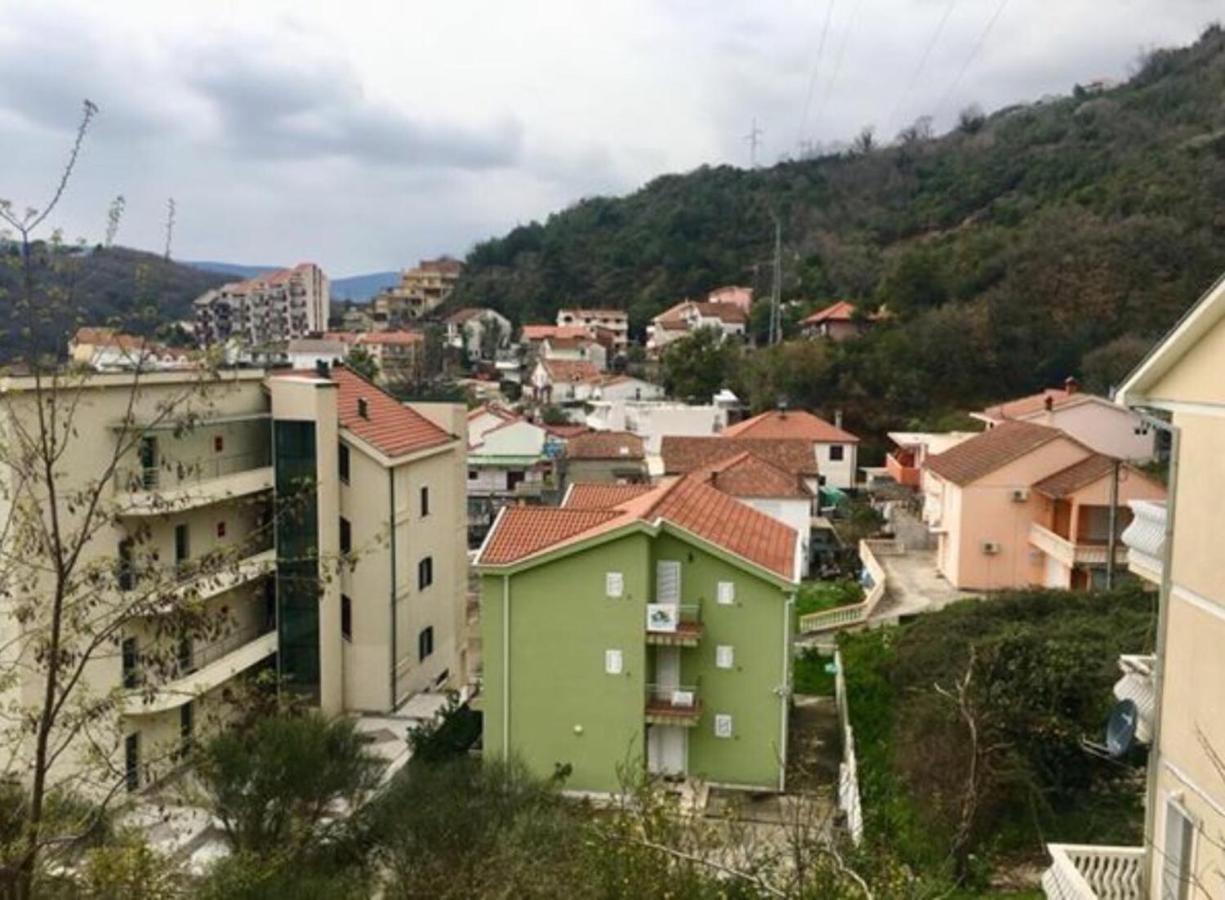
<point x="363" y="408"/>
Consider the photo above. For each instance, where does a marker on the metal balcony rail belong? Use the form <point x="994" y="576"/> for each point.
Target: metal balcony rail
<point x="203" y="655"/>
<point x="175" y="473"/>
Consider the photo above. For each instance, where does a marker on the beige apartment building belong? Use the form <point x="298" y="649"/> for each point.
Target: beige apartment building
<point x="613" y="324"/>
<point x="421" y="290"/>
<point x="272" y="307"/>
<point x="311" y="523"/>
<point x="1179" y="707"/>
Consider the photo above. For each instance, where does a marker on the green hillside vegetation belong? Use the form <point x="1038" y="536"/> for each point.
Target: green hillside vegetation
<point x="1041" y="665"/>
<point x="1044" y="240"/>
<point x="141" y="292"/>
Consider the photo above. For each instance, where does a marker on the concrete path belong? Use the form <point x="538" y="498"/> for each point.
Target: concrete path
<point x="914" y="586"/>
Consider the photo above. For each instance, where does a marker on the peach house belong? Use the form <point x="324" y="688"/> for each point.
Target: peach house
<point x="904" y="463"/>
<point x="1104" y="426"/>
<point x="1026" y="504"/>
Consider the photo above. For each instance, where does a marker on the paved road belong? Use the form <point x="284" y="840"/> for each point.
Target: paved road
<point x="914" y="586"/>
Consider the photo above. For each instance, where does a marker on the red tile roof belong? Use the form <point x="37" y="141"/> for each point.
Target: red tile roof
<point x="839" y="311"/>
<point x="540" y="332"/>
<point x="1027" y="406"/>
<point x="797" y="424"/>
<point x="391" y="337"/>
<point x="570" y="369"/>
<point x="687" y="503"/>
<point x="748" y="475"/>
<point x="683" y="454"/>
<point x="1076" y="476"/>
<point x="565" y="432"/>
<point x="605" y="445"/>
<point x="992" y="450"/>
<point x="389" y="425"/>
<point x="602" y="495"/>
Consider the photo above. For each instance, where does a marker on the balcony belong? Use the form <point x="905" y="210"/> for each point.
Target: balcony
<point x="203" y="578"/>
<point x="1080" y="553"/>
<point x="204" y="668"/>
<point x="673" y="625"/>
<point x="1136" y="685"/>
<point x="1145" y="539"/>
<point x="673" y="705"/>
<point x="177" y="485"/>
<point x="900" y="466"/>
<point x="1080" y="872"/>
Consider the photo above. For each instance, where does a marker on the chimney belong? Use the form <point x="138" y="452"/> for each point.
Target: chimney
<point x="1071" y="385"/>
<point x="1048" y="402"/>
<point x="837" y="418"/>
<point x="322" y="369"/>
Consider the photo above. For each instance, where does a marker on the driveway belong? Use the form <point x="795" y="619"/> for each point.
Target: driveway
<point x="914" y="586"/>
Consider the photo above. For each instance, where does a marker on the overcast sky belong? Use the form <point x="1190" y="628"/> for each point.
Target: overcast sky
<point x="364" y="135"/>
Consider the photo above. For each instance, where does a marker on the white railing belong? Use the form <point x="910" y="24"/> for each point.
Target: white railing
<point x="856" y="613"/>
<point x="672" y="697"/>
<point x="1145" y="538"/>
<point x="1136" y="685"/>
<point x="176" y="473"/>
<point x="848" y="769"/>
<point x="1085" y="872"/>
<point x="1071" y="554"/>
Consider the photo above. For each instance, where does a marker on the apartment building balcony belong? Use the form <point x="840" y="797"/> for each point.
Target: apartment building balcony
<point x="1145" y="539"/>
<point x="1080" y="552"/>
<point x="1137" y="686"/>
<point x="202" y="579"/>
<point x="1085" y="872"/>
<point x="204" y="667"/>
<point x="900" y="466"/>
<point x="674" y="625"/>
<point x="673" y="705"/>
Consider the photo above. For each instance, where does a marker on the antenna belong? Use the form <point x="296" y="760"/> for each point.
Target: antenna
<point x="169" y="225"/>
<point x="753" y="138"/>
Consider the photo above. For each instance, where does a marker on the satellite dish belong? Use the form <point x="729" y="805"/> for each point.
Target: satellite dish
<point x="1121" y="728"/>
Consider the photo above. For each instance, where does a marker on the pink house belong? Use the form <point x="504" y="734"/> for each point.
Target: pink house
<point x="1025" y="504"/>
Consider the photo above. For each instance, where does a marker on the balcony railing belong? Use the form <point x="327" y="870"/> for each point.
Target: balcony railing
<point x="1080" y="553"/>
<point x="673" y="704"/>
<point x="1085" y="872"/>
<point x="857" y="613"/>
<point x="674" y="625"/>
<point x="1145" y="539"/>
<point x="901" y="468"/>
<point x="205" y="654"/>
<point x="181" y="473"/>
<point x="1137" y="686"/>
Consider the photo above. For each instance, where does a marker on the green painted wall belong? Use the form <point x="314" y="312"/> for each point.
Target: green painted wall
<point x="753" y="626"/>
<point x="561" y="625"/>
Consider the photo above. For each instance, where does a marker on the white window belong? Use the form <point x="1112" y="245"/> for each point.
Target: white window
<point x="725" y="656"/>
<point x="727" y="593"/>
<point x="723" y="725"/>
<point x="668" y="581"/>
<point x="614" y="584"/>
<point x="612" y="662"/>
<point x="1176" y="854"/>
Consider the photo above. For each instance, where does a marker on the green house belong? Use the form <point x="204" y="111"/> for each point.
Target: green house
<point x="639" y="627"/>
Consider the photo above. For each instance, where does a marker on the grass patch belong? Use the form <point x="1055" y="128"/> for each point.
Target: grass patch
<point x="818" y="596"/>
<point x="810" y="675"/>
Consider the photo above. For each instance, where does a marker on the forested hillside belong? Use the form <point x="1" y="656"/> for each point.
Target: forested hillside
<point x="1043" y="240"/>
<point x="141" y="292"/>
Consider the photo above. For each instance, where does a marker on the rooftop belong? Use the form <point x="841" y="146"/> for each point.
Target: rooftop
<point x="687" y="503"/>
<point x="1076" y="476"/>
<point x="992" y="450"/>
<point x="798" y="424"/>
<point x="683" y="454"/>
<point x="838" y="311"/>
<point x="1023" y="407"/>
<point x="748" y="475"/>
<point x="605" y="445"/>
<point x="602" y="495"/>
<point x="540" y="332"/>
<point x="570" y="369"/>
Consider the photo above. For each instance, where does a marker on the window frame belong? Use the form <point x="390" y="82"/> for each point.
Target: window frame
<point x="425" y="572"/>
<point x="425" y="643"/>
<point x="346" y="618"/>
<point x="423" y="499"/>
<point x="343" y="463"/>
<point x="345" y="536"/>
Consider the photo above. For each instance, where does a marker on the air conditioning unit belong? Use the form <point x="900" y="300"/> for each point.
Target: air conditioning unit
<point x="991" y="547"/>
<point x="1020" y="495"/>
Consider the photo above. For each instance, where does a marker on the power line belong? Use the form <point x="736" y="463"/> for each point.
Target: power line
<point x="978" y="45"/>
<point x="927" y="51"/>
<point x="816" y="70"/>
<point x="829" y="86"/>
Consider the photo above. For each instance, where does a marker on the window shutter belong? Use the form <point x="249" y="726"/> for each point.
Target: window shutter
<point x="723" y="725"/>
<point x="725" y="656"/>
<point x="668" y="581"/>
<point x="612" y="662"/>
<point x="727" y="593"/>
<point x="614" y="584"/>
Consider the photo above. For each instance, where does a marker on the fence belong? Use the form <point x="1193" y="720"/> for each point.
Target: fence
<point x="859" y="612"/>
<point x="848" y="769"/>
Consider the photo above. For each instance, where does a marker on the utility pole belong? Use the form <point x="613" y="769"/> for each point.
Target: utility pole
<point x="1112" y="539"/>
<point x="753" y="138"/>
<point x="776" y="287"/>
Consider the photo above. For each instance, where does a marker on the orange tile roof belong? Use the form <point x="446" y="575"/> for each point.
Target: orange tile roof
<point x="605" y="445"/>
<point x="1022" y="407"/>
<point x="748" y="475"/>
<point x="839" y="311"/>
<point x="565" y="432"/>
<point x="1076" y="476"/>
<point x="726" y="312"/>
<point x="683" y="454"/>
<point x="494" y="410"/>
<point x="571" y="369"/>
<point x="687" y="503"/>
<point x="540" y="332"/>
<point x="797" y="424"/>
<point x="389" y="425"/>
<point x="602" y="495"/>
<point x="391" y="337"/>
<point x="993" y="449"/>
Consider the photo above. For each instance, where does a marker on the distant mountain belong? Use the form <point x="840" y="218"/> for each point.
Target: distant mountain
<point x="235" y="270"/>
<point x="362" y="287"/>
<point x="130" y="289"/>
<point x="352" y="287"/>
